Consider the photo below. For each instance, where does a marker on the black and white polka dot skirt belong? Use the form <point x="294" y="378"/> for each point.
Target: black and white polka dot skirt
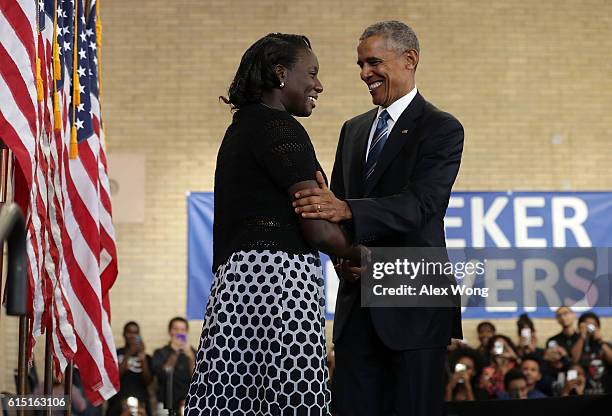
<point x="262" y="350"/>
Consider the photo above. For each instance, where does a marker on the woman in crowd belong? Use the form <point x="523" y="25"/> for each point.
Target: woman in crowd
<point x="135" y="370"/>
<point x="262" y="349"/>
<point x="465" y="366"/>
<point x="502" y="357"/>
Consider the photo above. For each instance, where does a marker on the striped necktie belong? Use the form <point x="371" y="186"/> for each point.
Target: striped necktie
<point x="378" y="142"/>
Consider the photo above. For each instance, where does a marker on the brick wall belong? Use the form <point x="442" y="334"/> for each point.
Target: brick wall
<point x="516" y="74"/>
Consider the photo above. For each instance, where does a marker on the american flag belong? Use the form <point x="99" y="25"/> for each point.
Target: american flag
<point x="72" y="255"/>
<point x="93" y="257"/>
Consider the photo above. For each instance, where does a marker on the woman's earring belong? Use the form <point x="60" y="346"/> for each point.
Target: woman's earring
<point x="282" y="84"/>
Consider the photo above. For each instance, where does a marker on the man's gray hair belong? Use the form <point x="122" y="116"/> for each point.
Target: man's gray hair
<point x="400" y="37"/>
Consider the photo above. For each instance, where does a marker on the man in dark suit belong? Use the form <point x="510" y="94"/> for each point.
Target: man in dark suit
<point x="394" y="169"/>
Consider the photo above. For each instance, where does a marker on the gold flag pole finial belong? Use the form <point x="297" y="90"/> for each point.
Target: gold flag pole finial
<point x="99" y="57"/>
<point x="76" y="90"/>
<point x="57" y="75"/>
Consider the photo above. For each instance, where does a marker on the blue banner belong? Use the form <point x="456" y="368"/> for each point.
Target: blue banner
<point x="473" y="219"/>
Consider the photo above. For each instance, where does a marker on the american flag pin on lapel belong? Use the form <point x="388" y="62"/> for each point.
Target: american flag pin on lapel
<point x="404" y="131"/>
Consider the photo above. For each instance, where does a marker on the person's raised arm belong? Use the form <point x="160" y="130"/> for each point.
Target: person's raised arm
<point x="578" y="346"/>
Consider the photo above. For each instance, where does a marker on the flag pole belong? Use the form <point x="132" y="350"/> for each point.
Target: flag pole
<point x="48" y="386"/>
<point x="68" y="387"/>
<point x="23" y="320"/>
<point x="3" y="185"/>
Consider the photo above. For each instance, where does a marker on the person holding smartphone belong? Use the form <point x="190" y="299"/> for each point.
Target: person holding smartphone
<point x="575" y="381"/>
<point x="568" y="336"/>
<point x="502" y="356"/>
<point x="594" y="354"/>
<point x="528" y="340"/>
<point x="134" y="371"/>
<point x="176" y="358"/>
<point x="465" y="365"/>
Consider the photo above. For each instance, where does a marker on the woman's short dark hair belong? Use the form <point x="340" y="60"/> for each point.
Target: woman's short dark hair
<point x="178" y="319"/>
<point x="256" y="72"/>
<point x="588" y="315"/>
<point x="127" y="324"/>
<point x="483" y="324"/>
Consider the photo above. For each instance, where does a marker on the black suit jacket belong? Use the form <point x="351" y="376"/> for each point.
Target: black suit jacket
<point x="403" y="206"/>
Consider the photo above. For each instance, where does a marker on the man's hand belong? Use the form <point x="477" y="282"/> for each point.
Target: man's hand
<point x="321" y="203"/>
<point x="348" y="270"/>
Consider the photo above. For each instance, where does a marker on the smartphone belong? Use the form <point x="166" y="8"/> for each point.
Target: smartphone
<point x="552" y="344"/>
<point x="498" y="348"/>
<point x="591" y="328"/>
<point x="526" y="335"/>
<point x="181" y="337"/>
<point x="132" y="403"/>
<point x="572" y="375"/>
<point x="458" y="368"/>
<point x="138" y="339"/>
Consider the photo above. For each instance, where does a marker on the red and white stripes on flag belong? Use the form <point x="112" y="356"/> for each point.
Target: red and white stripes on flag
<point x="71" y="243"/>
<point x="27" y="129"/>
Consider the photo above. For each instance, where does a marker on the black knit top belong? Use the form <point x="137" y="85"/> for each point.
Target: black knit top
<point x="264" y="152"/>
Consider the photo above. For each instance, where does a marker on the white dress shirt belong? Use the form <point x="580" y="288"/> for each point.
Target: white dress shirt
<point x="395" y="110"/>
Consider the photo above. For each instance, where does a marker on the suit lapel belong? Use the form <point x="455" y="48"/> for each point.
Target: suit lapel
<point x="355" y="153"/>
<point x="398" y="137"/>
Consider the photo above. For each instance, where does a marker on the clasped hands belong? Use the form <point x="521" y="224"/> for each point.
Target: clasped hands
<point x="321" y="203"/>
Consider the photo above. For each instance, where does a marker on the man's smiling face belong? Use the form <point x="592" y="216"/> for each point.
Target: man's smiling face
<point x="388" y="74"/>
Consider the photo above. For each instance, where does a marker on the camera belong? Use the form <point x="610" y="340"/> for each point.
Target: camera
<point x="572" y="375"/>
<point x="552" y="344"/>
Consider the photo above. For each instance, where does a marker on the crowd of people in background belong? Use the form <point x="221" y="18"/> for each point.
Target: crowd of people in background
<point x="165" y="375"/>
<point x="169" y="370"/>
<point x="576" y="361"/>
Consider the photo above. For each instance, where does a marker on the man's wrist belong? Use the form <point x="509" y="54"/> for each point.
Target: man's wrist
<point x="347" y="214"/>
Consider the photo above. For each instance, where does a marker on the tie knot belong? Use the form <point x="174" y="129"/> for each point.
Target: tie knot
<point x="384" y="116"/>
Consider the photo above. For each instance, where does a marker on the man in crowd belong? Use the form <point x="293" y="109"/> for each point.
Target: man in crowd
<point x="530" y="366"/>
<point x="594" y="354"/>
<point x="176" y="358"/>
<point x="515" y="384"/>
<point x="568" y="335"/>
<point x="486" y="331"/>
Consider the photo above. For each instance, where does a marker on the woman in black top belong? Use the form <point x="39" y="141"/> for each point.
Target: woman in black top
<point x="262" y="350"/>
